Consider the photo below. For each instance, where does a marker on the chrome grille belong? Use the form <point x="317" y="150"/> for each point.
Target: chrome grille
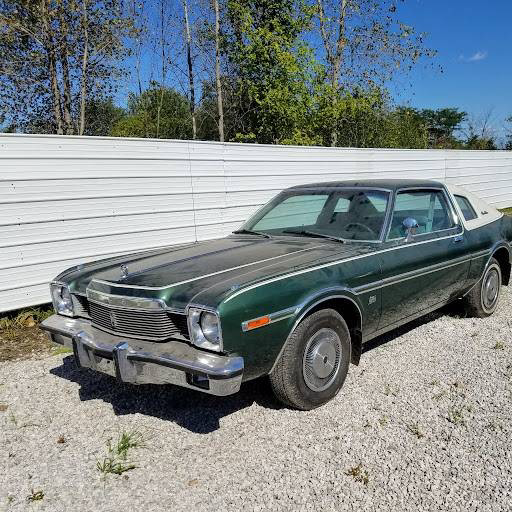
<point x="142" y="324"/>
<point x="80" y="305"/>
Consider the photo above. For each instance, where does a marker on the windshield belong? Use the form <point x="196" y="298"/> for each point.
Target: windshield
<point x="349" y="214"/>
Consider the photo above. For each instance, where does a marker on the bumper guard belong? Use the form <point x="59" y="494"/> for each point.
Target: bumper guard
<point x="143" y="362"/>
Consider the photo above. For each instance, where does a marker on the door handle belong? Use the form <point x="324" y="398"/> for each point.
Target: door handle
<point x="458" y="238"/>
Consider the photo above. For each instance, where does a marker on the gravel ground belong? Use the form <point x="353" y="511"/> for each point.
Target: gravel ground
<point x="423" y="423"/>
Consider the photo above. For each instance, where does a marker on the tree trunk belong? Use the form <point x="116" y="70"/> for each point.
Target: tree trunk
<point x="190" y="71"/>
<point x="162" y="81"/>
<point x="63" y="57"/>
<point x="52" y="67"/>
<point x="220" y="107"/>
<point x="334" y="55"/>
<point x="85" y="61"/>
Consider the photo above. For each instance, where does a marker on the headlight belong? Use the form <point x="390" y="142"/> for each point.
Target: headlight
<point x="61" y="298"/>
<point x="204" y="327"/>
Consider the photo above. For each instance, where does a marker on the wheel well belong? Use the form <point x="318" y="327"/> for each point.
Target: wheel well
<point x="352" y="316"/>
<point x="503" y="258"/>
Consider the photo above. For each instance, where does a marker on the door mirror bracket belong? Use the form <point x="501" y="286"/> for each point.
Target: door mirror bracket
<point x="410" y="225"/>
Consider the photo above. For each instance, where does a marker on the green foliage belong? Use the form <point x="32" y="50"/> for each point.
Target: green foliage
<point x="116" y="462"/>
<point x="367" y="119"/>
<point x="302" y="72"/>
<point x="50" y="51"/>
<point x="476" y="142"/>
<point x="102" y="114"/>
<point x="273" y="70"/>
<point x="159" y="112"/>
<point x="441" y="125"/>
<point x="508" y="142"/>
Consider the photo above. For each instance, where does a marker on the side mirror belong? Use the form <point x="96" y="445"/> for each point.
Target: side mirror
<point x="410" y="225"/>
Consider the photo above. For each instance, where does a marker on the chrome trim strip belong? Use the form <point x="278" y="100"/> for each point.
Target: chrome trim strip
<point x="121" y="285"/>
<point x="273" y="317"/>
<point x="388" y="281"/>
<point x="125" y="302"/>
<point x="332" y="263"/>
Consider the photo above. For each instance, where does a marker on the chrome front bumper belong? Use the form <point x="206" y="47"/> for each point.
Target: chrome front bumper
<point x="144" y="362"/>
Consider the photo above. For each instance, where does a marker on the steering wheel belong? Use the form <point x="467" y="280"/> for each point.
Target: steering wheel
<point x="359" y="225"/>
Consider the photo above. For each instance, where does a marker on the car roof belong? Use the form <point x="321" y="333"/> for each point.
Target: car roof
<point x="382" y="184"/>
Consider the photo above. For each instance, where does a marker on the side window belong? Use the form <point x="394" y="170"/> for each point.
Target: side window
<point x="300" y="210"/>
<point x="428" y="207"/>
<point x="465" y="207"/>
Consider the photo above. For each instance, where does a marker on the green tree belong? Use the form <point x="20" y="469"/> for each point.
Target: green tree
<point x="508" y="141"/>
<point x="365" y="45"/>
<point x="158" y="109"/>
<point x="56" y="55"/>
<point x="272" y="70"/>
<point x="102" y="115"/>
<point x="476" y="142"/>
<point x="442" y="124"/>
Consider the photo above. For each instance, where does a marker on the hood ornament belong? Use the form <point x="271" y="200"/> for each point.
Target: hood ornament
<point x="124" y="271"/>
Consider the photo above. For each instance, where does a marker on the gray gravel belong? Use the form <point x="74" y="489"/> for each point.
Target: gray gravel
<point x="424" y="423"/>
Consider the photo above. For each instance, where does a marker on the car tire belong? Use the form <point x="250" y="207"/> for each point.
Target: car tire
<point x="314" y="363"/>
<point x="483" y="298"/>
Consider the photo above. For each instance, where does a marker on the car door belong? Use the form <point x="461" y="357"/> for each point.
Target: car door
<point x="429" y="267"/>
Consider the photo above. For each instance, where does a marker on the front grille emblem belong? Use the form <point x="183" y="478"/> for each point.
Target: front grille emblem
<point x="113" y="320"/>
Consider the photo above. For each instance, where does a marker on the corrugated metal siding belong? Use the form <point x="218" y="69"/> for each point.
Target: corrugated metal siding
<point x="67" y="200"/>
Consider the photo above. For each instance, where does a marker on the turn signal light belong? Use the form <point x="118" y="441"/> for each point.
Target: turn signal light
<point x="258" y="322"/>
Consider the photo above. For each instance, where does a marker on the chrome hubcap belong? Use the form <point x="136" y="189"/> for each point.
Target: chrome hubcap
<point x="490" y="288"/>
<point x="321" y="361"/>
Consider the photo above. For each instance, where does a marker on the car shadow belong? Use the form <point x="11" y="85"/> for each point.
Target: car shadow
<point x="196" y="411"/>
<point x="193" y="410"/>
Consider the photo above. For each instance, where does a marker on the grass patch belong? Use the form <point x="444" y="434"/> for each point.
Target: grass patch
<point x="499" y="345"/>
<point x="35" y="496"/>
<point x="61" y="350"/>
<point x="359" y="474"/>
<point x="390" y="391"/>
<point x="415" y="429"/>
<point x="20" y="336"/>
<point x="506" y="211"/>
<point x="116" y="462"/>
<point x="456" y="416"/>
<point x="383" y="421"/>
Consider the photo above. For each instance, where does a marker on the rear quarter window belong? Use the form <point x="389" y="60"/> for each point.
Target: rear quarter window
<point x="466" y="208"/>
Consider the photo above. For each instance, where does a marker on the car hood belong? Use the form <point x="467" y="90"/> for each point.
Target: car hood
<point x="204" y="272"/>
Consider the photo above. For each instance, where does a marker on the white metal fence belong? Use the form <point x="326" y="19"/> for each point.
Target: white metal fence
<point x="67" y="200"/>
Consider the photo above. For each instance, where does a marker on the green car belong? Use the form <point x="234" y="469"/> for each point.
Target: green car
<point x="293" y="294"/>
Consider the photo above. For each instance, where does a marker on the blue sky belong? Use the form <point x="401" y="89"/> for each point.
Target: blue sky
<point x="474" y="44"/>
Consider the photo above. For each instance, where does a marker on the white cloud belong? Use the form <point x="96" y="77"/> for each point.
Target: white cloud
<point x="479" y="55"/>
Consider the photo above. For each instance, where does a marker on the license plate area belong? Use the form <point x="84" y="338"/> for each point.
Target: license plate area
<point x="156" y="374"/>
<point x="86" y="358"/>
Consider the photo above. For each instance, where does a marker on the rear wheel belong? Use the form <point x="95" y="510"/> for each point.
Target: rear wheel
<point x="483" y="299"/>
<point x="314" y="363"/>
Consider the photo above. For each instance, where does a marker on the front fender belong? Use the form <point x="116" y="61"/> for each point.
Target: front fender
<point x="262" y="346"/>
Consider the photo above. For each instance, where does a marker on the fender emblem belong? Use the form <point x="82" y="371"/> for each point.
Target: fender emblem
<point x="124" y="270"/>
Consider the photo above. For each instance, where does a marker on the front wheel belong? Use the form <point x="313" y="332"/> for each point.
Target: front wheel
<point x="483" y="298"/>
<point x="314" y="362"/>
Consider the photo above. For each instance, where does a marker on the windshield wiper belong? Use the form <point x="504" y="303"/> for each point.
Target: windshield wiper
<point x="305" y="232"/>
<point x="250" y="232"/>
